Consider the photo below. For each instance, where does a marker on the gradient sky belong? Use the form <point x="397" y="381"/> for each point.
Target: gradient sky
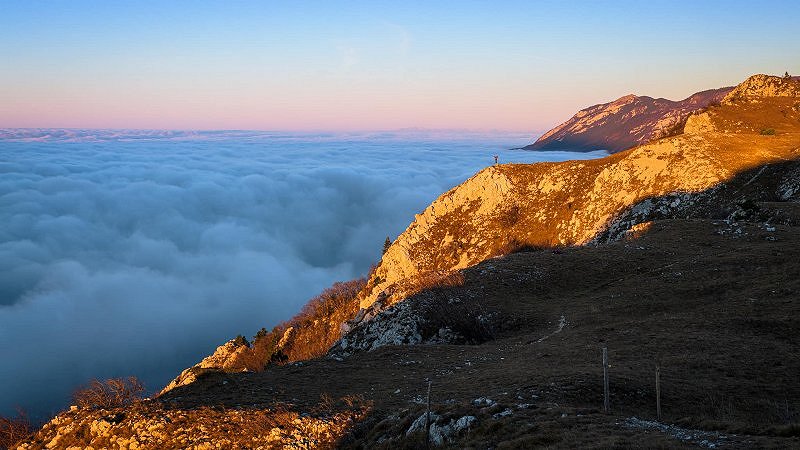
<point x="285" y="65"/>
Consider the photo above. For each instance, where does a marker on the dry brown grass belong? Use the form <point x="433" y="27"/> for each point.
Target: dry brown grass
<point x="109" y="393"/>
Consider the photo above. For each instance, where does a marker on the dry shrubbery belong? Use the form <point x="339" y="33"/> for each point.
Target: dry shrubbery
<point x="110" y="393"/>
<point x="14" y="429"/>
<point x="312" y="332"/>
<point x="315" y="328"/>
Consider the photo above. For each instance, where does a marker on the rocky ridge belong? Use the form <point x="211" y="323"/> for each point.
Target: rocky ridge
<point x="150" y="425"/>
<point x="573" y="202"/>
<point x="626" y="122"/>
<point x="764" y="86"/>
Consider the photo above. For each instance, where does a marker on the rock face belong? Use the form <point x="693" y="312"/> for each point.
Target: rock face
<point x="148" y="425"/>
<point x="572" y="203"/>
<point x="764" y="86"/>
<point x="227" y="357"/>
<point x="625" y="122"/>
<point x="429" y="317"/>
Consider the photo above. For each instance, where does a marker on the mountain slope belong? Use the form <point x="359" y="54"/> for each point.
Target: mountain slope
<point x="573" y="202"/>
<point x="714" y="302"/>
<point x="624" y="123"/>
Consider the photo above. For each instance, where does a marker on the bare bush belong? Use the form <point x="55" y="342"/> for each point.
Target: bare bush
<point x="109" y="393"/>
<point x="14" y="429"/>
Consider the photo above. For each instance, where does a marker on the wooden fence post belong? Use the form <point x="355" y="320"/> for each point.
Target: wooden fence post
<point x="658" y="391"/>
<point x="428" y="419"/>
<point x="606" y="406"/>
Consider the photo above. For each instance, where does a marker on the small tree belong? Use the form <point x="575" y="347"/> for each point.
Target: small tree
<point x="787" y="75"/>
<point x="109" y="393"/>
<point x="262" y="333"/>
<point x="241" y="341"/>
<point x="14" y="429"/>
<point x="386" y="244"/>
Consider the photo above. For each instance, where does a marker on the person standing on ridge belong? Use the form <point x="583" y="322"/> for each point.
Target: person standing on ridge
<point x="495" y="159"/>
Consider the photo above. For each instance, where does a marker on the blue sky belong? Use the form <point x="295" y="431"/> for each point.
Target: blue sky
<point x="371" y="65"/>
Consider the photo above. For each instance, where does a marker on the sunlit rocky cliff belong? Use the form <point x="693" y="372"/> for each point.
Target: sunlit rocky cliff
<point x="575" y="202"/>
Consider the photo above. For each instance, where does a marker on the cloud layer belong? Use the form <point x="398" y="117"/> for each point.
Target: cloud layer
<point x="137" y="253"/>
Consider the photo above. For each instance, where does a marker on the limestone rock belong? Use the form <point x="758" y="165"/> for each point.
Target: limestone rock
<point x="760" y="86"/>
<point x="228" y="357"/>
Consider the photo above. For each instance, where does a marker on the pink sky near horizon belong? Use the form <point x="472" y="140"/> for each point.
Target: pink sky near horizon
<point x="310" y="66"/>
<point x="481" y="108"/>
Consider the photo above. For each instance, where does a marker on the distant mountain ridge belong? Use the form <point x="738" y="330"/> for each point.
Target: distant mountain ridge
<point x="626" y="122"/>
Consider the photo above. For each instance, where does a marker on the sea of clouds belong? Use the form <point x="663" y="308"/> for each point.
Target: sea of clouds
<point x="138" y="252"/>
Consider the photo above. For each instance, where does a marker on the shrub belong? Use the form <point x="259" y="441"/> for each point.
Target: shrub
<point x="768" y="132"/>
<point x="510" y="217"/>
<point x="14" y="429"/>
<point x="110" y="393"/>
<point x="262" y="333"/>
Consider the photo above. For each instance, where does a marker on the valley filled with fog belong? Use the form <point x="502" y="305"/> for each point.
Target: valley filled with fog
<point x="137" y="253"/>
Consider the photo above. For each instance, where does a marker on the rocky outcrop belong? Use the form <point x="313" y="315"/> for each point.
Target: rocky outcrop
<point x="429" y="317"/>
<point x="624" y="123"/>
<point x="229" y="357"/>
<point x="148" y="425"/>
<point x="764" y="86"/>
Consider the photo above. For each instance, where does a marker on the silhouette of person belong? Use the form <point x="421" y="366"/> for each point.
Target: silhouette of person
<point x="495" y="158"/>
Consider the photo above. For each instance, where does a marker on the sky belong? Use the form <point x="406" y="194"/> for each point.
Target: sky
<point x="371" y="65"/>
